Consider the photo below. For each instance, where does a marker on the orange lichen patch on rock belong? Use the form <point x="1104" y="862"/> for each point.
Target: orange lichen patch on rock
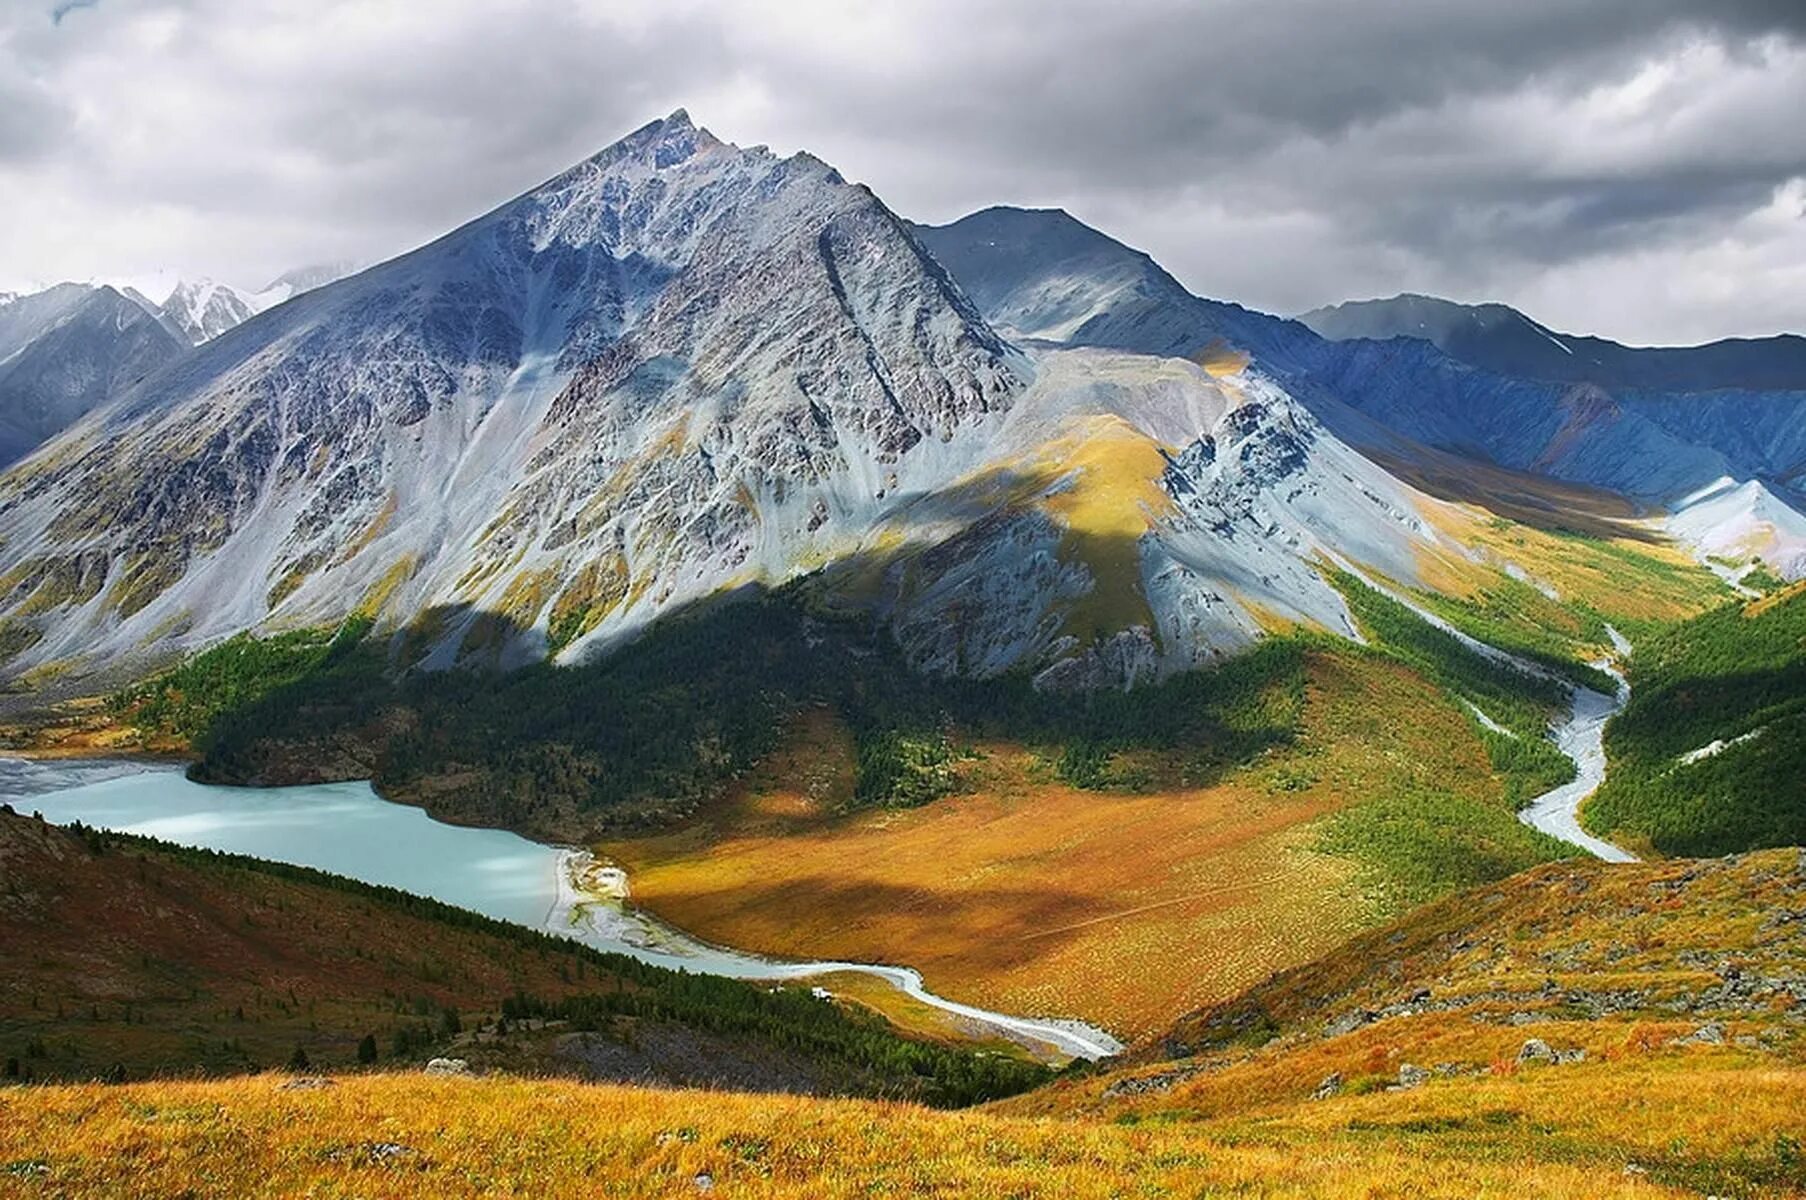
<point x="1026" y="895"/>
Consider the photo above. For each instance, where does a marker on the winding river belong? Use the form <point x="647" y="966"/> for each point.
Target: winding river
<point x="346" y="828"/>
<point x="1581" y="736"/>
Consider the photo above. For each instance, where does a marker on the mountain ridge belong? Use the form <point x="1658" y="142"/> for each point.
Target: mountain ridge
<point x="1500" y="338"/>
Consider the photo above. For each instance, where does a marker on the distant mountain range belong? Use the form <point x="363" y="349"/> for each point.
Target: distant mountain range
<point x="66" y="351"/>
<point x="682" y="368"/>
<point x="1504" y="341"/>
<point x="70" y="348"/>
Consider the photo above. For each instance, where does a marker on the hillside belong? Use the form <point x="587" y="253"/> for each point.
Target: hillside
<point x="1710" y="755"/>
<point x="131" y="958"/>
<point x="1676" y="979"/>
<point x="68" y="350"/>
<point x="1687" y="419"/>
<point x="1647" y="1014"/>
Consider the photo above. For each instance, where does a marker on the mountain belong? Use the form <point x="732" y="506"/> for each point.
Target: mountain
<point x="203" y="310"/>
<point x="1403" y="396"/>
<point x="66" y="351"/>
<point x="290" y="284"/>
<point x="677" y="369"/>
<point x="1500" y="339"/>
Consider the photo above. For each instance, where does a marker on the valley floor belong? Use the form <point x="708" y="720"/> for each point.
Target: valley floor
<point x="1025" y="894"/>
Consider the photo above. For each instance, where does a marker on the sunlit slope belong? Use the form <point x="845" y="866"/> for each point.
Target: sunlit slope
<point x="409" y="1136"/>
<point x="1710" y="756"/>
<point x="1663" y="1000"/>
<point x="1126" y="879"/>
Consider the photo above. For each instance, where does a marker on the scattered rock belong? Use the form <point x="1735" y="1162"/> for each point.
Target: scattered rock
<point x="1410" y="1076"/>
<point x="1635" y="1169"/>
<point x="705" y="1182"/>
<point x="1709" y="1034"/>
<point x="1142" y="1084"/>
<point x="1331" y="1086"/>
<point x="372" y="1152"/>
<point x="1536" y="1050"/>
<point x="26" y="1168"/>
<point x="306" y="1083"/>
<point x="448" y="1066"/>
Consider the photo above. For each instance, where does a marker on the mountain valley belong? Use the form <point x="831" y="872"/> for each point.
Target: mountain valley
<point x="972" y="599"/>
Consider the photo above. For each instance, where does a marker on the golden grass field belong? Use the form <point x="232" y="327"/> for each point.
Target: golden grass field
<point x="1522" y="1134"/>
<point x="1030" y="896"/>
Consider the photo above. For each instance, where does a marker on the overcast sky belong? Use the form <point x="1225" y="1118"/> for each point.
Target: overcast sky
<point x="1635" y="168"/>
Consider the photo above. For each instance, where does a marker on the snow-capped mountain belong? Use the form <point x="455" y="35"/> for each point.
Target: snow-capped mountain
<point x="678" y="368"/>
<point x="290" y="284"/>
<point x="1656" y="445"/>
<point x="66" y="350"/>
<point x="203" y="309"/>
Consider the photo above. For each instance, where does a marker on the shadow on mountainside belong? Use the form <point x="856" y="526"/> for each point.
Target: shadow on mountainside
<point x="637" y="739"/>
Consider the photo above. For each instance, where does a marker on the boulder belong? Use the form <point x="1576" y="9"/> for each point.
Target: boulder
<point x="1536" y="1050"/>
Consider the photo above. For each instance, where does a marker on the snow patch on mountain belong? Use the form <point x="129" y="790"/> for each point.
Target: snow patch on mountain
<point x="1731" y="520"/>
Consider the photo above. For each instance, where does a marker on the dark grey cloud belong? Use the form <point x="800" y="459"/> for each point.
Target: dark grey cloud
<point x="1617" y="163"/>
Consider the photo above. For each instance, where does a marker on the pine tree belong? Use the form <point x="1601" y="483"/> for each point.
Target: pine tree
<point x="366" y="1049"/>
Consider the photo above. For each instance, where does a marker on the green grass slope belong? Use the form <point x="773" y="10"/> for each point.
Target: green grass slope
<point x="1726" y="690"/>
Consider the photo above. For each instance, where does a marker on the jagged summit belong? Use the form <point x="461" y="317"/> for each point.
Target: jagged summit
<point x="674" y="366"/>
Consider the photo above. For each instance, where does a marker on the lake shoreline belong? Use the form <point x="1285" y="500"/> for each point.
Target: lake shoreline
<point x="577" y="896"/>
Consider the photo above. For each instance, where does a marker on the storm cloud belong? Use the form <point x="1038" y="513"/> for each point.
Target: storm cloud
<point x="1630" y="167"/>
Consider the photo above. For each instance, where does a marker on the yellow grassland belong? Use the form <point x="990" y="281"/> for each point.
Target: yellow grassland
<point x="1524" y="1135"/>
<point x="1027" y="895"/>
<point x="1630" y="577"/>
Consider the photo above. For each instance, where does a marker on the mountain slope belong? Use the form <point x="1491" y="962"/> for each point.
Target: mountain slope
<point x="135" y="956"/>
<point x="1639" y="1014"/>
<point x="488" y="417"/>
<point x="1667" y="1102"/>
<point x="1500" y="339"/>
<point x="1709" y="757"/>
<point x="1657" y="438"/>
<point x="66" y="351"/>
<point x="678" y="369"/>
